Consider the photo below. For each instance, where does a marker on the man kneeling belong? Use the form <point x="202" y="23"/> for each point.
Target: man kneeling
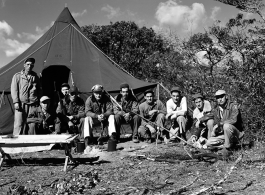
<point x="42" y="120"/>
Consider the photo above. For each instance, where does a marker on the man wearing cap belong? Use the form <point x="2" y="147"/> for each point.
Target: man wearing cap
<point x="65" y="89"/>
<point x="154" y="111"/>
<point x="72" y="120"/>
<point x="202" y="117"/>
<point x="25" y="93"/>
<point x="177" y="112"/>
<point x="125" y="111"/>
<point x="228" y="125"/>
<point x="98" y="110"/>
<point x="42" y="120"/>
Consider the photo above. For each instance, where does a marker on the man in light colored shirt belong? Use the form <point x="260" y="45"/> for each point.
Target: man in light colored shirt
<point x="203" y="119"/>
<point x="176" y="112"/>
<point x="25" y="93"/>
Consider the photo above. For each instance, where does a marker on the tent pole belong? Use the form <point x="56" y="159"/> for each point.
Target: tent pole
<point x="157" y="90"/>
<point x="164" y="88"/>
<point x="2" y="100"/>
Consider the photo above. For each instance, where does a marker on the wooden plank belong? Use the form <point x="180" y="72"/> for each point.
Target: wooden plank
<point x="22" y="139"/>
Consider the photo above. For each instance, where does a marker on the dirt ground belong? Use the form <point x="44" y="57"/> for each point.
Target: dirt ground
<point x="137" y="169"/>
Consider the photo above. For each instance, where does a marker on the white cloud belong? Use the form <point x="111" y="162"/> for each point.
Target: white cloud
<point x="15" y="47"/>
<point x="171" y="13"/>
<point x="77" y="14"/>
<point x="5" y="28"/>
<point x="130" y="13"/>
<point x="215" y="10"/>
<point x="11" y="47"/>
<point x="112" y="12"/>
<point x="39" y="32"/>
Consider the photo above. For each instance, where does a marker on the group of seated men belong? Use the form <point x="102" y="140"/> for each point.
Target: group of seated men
<point x="219" y="126"/>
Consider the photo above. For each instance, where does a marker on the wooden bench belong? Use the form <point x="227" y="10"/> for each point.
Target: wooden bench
<point x="34" y="143"/>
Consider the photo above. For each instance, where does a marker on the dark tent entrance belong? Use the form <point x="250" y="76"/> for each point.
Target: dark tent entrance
<point x="52" y="79"/>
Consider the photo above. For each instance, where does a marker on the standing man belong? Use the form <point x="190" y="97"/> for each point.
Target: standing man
<point x="25" y="92"/>
<point x="72" y="119"/>
<point x="176" y="111"/>
<point x="98" y="110"/>
<point x="202" y="117"/>
<point x="155" y="111"/>
<point x="127" y="114"/>
<point x="228" y="125"/>
<point x="42" y="119"/>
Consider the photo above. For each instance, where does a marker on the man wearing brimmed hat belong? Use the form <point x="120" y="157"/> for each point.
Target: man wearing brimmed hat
<point x="42" y="119"/>
<point x="126" y="114"/>
<point x="228" y="129"/>
<point x="202" y="117"/>
<point x="155" y="111"/>
<point x="25" y="93"/>
<point x="98" y="110"/>
<point x="177" y="112"/>
<point x="72" y="118"/>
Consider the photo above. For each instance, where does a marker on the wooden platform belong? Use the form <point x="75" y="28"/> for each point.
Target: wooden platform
<point x="35" y="143"/>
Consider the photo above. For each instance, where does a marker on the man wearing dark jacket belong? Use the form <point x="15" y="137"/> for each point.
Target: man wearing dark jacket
<point x="42" y="119"/>
<point x="72" y="118"/>
<point x="126" y="113"/>
<point x="98" y="110"/>
<point x="228" y="125"/>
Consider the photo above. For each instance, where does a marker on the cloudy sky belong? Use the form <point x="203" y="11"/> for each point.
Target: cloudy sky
<point x="22" y="22"/>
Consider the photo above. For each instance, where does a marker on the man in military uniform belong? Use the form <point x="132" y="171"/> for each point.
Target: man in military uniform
<point x="126" y="113"/>
<point x="25" y="93"/>
<point x="99" y="110"/>
<point x="153" y="110"/>
<point x="42" y="120"/>
<point x="71" y="113"/>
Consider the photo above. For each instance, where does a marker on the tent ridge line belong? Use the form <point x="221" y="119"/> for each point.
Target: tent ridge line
<point x="32" y="52"/>
<point x="104" y="53"/>
<point x="49" y="47"/>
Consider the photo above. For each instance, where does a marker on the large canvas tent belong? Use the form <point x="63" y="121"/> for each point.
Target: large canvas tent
<point x="65" y="54"/>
